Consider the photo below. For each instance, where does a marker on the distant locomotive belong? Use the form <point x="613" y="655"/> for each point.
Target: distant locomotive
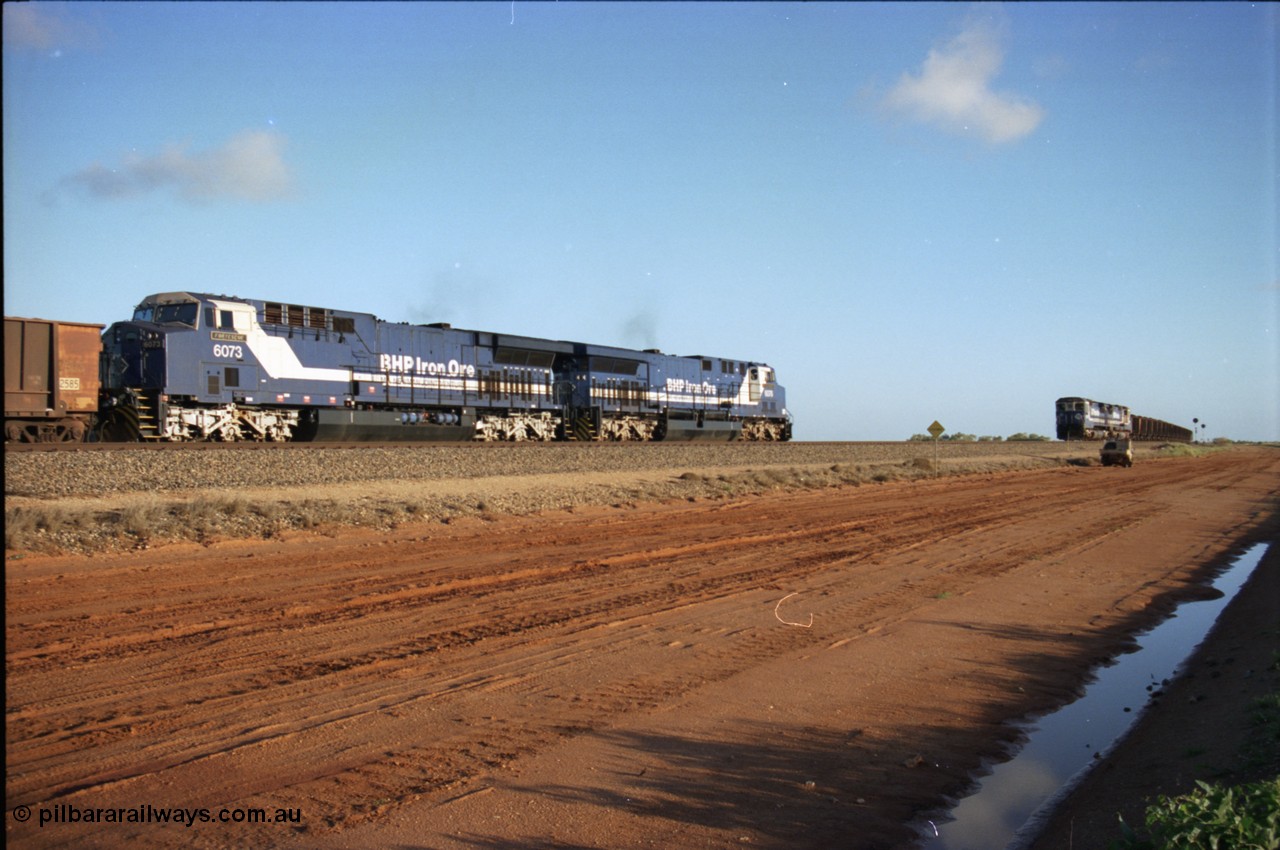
<point x="1085" y="419"/>
<point x="193" y="366"/>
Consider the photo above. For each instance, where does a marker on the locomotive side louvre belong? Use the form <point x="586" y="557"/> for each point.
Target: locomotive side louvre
<point x="194" y="366"/>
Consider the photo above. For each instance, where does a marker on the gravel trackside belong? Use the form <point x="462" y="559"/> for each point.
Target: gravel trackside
<point x="97" y="473"/>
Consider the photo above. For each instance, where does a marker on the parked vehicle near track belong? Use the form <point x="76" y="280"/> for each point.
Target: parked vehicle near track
<point x="1117" y="452"/>
<point x="193" y="366"/>
<point x="50" y="379"/>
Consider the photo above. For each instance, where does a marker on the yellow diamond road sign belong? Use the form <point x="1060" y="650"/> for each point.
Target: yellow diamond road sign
<point x="936" y="429"/>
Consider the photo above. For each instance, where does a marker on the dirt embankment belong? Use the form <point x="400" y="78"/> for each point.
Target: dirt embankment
<point x="790" y="669"/>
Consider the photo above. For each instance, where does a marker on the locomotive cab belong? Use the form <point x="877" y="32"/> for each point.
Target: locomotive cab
<point x="134" y="351"/>
<point x="151" y="391"/>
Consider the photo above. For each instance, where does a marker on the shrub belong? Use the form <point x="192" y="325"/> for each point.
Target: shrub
<point x="1183" y="450"/>
<point x="1213" y="817"/>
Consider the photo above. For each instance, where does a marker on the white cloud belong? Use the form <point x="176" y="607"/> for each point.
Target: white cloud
<point x="250" y="166"/>
<point x="44" y="26"/>
<point x="953" y="90"/>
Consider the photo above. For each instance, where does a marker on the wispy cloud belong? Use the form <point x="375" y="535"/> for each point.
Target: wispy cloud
<point x="250" y="166"/>
<point x="953" y="90"/>
<point x="45" y="26"/>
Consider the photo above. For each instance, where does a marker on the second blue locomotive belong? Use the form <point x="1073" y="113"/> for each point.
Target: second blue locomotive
<point x="1086" y="419"/>
<point x="192" y="366"/>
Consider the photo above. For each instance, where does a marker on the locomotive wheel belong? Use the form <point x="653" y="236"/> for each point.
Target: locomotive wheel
<point x="120" y="425"/>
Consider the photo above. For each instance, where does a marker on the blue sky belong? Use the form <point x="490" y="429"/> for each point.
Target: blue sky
<point x="913" y="211"/>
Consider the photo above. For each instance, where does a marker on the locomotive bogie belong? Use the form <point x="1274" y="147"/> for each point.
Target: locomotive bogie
<point x="227" y="423"/>
<point x="628" y="428"/>
<point x="517" y="427"/>
<point x="767" y="430"/>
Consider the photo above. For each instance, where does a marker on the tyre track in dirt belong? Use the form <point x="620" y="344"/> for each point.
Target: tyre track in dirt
<point x="357" y="675"/>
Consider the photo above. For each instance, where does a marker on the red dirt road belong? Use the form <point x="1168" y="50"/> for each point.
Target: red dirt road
<point x="606" y="678"/>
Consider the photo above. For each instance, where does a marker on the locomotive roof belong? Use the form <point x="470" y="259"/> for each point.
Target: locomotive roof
<point x="512" y="340"/>
<point x="176" y="297"/>
<point x="1085" y="398"/>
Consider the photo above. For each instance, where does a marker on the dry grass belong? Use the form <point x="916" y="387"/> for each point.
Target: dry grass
<point x="141" y="520"/>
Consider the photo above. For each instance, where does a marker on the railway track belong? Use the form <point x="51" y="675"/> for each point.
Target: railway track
<point x="277" y="446"/>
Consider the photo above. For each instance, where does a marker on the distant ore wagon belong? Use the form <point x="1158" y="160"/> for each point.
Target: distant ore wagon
<point x="1085" y="419"/>
<point x="50" y="379"/>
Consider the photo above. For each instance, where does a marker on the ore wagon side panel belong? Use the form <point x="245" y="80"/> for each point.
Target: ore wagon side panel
<point x="28" y="347"/>
<point x="77" y="351"/>
<point x="50" y="368"/>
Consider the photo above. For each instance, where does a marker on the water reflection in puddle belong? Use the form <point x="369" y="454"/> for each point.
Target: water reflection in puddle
<point x="1062" y="744"/>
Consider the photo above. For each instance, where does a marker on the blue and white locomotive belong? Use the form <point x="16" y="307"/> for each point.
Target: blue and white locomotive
<point x="193" y="366"/>
<point x="1085" y="419"/>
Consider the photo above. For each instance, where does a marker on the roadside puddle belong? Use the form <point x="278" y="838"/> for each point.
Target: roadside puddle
<point x="1008" y="804"/>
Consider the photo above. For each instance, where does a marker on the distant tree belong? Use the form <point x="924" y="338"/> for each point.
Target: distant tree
<point x="920" y="438"/>
<point x="960" y="438"/>
<point x="990" y="439"/>
<point x="1021" y="437"/>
